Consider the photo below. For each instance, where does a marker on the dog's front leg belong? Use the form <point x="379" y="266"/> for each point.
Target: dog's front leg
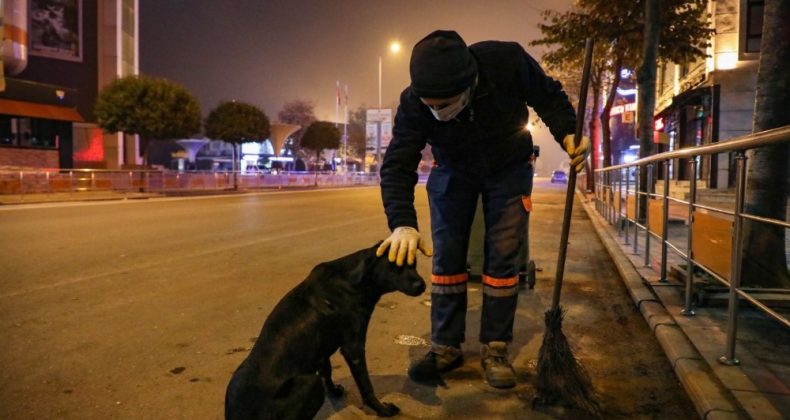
<point x="354" y="353"/>
<point x="325" y="370"/>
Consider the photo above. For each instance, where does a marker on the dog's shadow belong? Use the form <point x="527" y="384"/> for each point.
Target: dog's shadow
<point x="392" y="388"/>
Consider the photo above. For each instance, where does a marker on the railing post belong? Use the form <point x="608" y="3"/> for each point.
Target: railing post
<point x="665" y="230"/>
<point x="619" y="205"/>
<point x="604" y="208"/>
<point x="648" y="190"/>
<point x="604" y="204"/>
<point x="735" y="267"/>
<point x="603" y="194"/>
<point x="688" y="310"/>
<point x="596" y="175"/>
<point x="610" y="196"/>
<point x="615" y="204"/>
<point x="626" y="225"/>
<point x="638" y="208"/>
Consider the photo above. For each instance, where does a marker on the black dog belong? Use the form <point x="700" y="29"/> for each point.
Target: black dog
<point x="282" y="376"/>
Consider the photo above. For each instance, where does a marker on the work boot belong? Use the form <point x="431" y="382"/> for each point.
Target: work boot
<point x="440" y="359"/>
<point x="499" y="372"/>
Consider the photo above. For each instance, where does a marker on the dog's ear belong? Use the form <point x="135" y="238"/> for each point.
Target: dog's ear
<point x="352" y="267"/>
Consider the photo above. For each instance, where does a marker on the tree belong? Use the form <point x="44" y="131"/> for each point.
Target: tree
<point x="565" y="64"/>
<point x="357" y="133"/>
<point x="152" y="108"/>
<point x="301" y="113"/>
<point x="318" y="136"/>
<point x="764" y="259"/>
<point x="617" y="26"/>
<point x="646" y="77"/>
<point x="236" y="123"/>
<point x="613" y="50"/>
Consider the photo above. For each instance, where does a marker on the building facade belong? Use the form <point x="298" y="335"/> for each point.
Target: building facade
<point x="57" y="55"/>
<point x="704" y="102"/>
<point x="712" y="100"/>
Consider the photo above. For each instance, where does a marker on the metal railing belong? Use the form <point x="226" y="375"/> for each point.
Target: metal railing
<point x="26" y="182"/>
<point x="618" y="199"/>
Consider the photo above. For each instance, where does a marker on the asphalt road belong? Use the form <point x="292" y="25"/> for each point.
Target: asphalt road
<point x="143" y="309"/>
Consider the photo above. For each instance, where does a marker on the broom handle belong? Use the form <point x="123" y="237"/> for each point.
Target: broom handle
<point x="566" y="220"/>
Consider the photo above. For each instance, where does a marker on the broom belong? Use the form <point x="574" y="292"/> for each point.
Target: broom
<point x="561" y="378"/>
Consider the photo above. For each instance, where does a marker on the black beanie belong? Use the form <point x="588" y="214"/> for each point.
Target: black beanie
<point x="441" y="66"/>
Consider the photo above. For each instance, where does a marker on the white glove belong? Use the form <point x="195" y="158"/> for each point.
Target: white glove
<point x="404" y="241"/>
<point x="578" y="153"/>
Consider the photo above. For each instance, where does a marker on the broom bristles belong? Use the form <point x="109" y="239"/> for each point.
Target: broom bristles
<point x="561" y="378"/>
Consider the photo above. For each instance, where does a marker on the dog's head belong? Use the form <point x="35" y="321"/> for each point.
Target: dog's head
<point x="364" y="268"/>
<point x="389" y="277"/>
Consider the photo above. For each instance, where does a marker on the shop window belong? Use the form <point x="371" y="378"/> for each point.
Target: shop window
<point x="29" y="132"/>
<point x="7" y="136"/>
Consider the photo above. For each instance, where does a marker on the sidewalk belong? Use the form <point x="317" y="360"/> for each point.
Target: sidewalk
<point x="758" y="388"/>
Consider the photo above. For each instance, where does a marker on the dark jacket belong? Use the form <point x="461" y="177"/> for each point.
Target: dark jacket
<point x="488" y="136"/>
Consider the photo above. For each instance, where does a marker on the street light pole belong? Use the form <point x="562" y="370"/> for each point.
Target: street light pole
<point x="394" y="48"/>
<point x="345" y="134"/>
<point x="379" y="82"/>
<point x="378" y="124"/>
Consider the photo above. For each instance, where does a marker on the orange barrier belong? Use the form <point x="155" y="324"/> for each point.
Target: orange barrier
<point x="712" y="244"/>
<point x="656" y="222"/>
<point x="630" y="207"/>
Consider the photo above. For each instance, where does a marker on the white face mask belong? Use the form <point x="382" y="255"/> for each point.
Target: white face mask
<point x="451" y="111"/>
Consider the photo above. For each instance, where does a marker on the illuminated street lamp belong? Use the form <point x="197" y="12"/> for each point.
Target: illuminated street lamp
<point x="394" y="48"/>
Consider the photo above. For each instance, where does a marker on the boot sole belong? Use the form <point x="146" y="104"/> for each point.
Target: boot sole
<point x="502" y="384"/>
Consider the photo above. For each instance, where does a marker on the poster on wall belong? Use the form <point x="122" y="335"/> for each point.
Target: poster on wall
<point x="56" y="29"/>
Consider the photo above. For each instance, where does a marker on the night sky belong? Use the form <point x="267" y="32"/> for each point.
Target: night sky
<point x="268" y="52"/>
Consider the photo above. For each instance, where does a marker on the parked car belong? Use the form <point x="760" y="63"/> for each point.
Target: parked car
<point x="559" y="176"/>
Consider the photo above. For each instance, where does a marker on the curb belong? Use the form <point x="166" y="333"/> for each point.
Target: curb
<point x="75" y="197"/>
<point x="709" y="396"/>
<point x="71" y="199"/>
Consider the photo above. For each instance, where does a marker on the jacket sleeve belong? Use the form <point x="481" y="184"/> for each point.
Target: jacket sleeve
<point x="546" y="97"/>
<point x="399" y="167"/>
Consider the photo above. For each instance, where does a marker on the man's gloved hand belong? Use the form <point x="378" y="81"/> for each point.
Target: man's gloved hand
<point x="403" y="244"/>
<point x="578" y="153"/>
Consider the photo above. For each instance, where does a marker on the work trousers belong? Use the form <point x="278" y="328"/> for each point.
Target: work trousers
<point x="453" y="198"/>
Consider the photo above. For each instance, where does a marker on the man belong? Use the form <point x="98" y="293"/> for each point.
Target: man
<point x="470" y="104"/>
